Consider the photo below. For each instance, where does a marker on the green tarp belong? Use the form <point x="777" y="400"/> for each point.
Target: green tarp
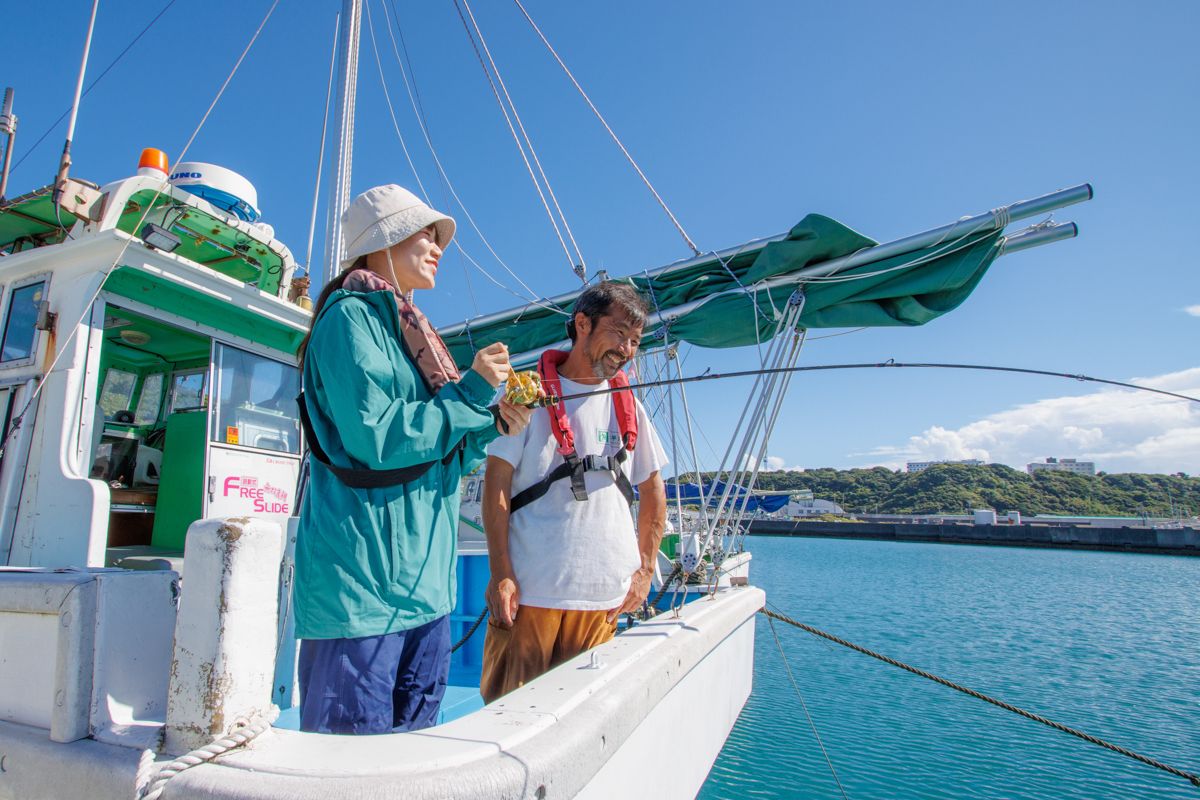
<point x="910" y="289"/>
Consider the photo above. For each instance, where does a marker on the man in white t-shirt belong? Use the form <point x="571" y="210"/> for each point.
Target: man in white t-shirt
<point x="567" y="561"/>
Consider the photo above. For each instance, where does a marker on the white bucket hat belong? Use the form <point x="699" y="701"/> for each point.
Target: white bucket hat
<point x="385" y="216"/>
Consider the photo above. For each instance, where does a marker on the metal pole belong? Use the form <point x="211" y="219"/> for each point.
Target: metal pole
<point x="339" y="190"/>
<point x="965" y="227"/>
<point x="64" y="163"/>
<point x="1034" y="236"/>
<point x="8" y="125"/>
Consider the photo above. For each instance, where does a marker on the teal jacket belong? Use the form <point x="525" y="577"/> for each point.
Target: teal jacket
<point x="375" y="561"/>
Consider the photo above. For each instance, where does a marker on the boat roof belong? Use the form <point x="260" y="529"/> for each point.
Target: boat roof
<point x="208" y="236"/>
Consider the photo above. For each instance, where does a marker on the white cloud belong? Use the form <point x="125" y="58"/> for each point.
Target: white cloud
<point x="1193" y="310"/>
<point x="1120" y="429"/>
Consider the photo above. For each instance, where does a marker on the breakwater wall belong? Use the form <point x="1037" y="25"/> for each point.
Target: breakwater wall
<point x="1165" y="541"/>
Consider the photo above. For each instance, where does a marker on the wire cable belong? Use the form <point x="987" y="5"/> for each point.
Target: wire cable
<point x="608" y="128"/>
<point x="414" y="99"/>
<point x="92" y="85"/>
<point x="511" y="128"/>
<point x="582" y="267"/>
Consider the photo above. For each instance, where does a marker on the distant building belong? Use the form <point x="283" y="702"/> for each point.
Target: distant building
<point x="1063" y="465"/>
<point x="802" y="506"/>
<point x="917" y="466"/>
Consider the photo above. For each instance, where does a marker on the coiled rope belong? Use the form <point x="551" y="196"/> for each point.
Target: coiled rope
<point x="1058" y="726"/>
<point x="243" y="732"/>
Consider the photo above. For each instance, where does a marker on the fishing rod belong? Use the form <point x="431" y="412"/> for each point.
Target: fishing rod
<point x="527" y="386"/>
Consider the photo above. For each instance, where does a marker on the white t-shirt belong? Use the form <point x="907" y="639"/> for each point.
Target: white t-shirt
<point x="568" y="553"/>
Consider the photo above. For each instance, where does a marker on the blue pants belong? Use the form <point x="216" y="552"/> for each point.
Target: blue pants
<point x="375" y="684"/>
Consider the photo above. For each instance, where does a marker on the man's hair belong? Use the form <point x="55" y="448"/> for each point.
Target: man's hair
<point x="603" y="298"/>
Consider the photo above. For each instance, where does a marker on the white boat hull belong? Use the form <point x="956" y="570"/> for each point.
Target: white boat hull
<point x="669" y="691"/>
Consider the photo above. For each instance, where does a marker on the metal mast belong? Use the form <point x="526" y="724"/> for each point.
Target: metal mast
<point x="347" y="82"/>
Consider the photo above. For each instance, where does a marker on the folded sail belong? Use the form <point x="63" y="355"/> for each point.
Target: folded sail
<point x="738" y="300"/>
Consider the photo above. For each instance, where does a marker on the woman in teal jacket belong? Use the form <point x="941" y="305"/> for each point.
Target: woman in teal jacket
<point x="375" y="578"/>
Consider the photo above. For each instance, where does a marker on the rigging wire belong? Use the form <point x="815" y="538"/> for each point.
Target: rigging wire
<point x="312" y="225"/>
<point x="581" y="269"/>
<point x="414" y="100"/>
<point x="608" y="128"/>
<point x="511" y="128"/>
<point x="387" y="96"/>
<point x="92" y="85"/>
<point x="804" y="705"/>
<point x="406" y="69"/>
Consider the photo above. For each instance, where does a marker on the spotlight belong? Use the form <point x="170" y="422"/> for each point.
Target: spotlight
<point x="159" y="237"/>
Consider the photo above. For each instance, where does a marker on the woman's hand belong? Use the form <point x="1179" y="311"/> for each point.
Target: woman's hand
<point x="513" y="418"/>
<point x="492" y="364"/>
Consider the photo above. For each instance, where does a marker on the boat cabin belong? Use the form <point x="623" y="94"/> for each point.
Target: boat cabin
<point x="147" y="372"/>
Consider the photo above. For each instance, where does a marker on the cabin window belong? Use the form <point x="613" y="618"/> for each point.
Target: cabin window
<point x="256" y="401"/>
<point x="19" y="330"/>
<point x="187" y="391"/>
<point x="117" y="392"/>
<point x="150" y="400"/>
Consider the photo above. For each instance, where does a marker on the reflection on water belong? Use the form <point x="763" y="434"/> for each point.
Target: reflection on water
<point x="1105" y="642"/>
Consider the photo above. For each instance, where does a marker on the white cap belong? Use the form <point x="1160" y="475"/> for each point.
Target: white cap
<point x="385" y="216"/>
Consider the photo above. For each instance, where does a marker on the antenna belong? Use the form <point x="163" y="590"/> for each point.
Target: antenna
<point x="64" y="164"/>
<point x="8" y="125"/>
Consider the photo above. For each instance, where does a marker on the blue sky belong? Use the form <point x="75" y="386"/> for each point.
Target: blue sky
<point x="889" y="117"/>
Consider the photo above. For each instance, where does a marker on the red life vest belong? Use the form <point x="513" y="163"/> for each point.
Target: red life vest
<point x="623" y="404"/>
<point x="574" y="466"/>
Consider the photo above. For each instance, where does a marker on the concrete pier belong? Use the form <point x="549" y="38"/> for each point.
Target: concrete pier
<point x="1163" y="541"/>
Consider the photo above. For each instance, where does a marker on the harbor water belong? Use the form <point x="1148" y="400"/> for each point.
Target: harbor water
<point x="1108" y="643"/>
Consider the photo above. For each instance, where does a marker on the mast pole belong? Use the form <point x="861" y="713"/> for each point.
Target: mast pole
<point x="8" y="125"/>
<point x="347" y="83"/>
<point x="64" y="164"/>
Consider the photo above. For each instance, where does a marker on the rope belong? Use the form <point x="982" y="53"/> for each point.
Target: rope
<point x="804" y="705"/>
<point x="608" y="128"/>
<point x="1058" y="726"/>
<point x="474" y="627"/>
<point x="243" y="732"/>
<point x="662" y="590"/>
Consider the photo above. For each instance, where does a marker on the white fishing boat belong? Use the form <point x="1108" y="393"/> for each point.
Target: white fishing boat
<point x="148" y="472"/>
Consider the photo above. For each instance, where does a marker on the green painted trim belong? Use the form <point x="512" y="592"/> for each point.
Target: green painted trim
<point x="471" y="524"/>
<point x="209" y="241"/>
<point x="199" y="307"/>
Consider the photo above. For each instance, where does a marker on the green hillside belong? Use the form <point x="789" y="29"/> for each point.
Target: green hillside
<point x="956" y="488"/>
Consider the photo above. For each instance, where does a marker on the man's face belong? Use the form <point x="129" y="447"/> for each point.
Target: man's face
<point x="610" y="343"/>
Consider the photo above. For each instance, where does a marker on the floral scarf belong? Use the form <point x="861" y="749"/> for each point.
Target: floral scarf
<point x="421" y="341"/>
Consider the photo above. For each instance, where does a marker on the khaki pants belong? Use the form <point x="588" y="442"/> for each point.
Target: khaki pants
<point x="539" y="640"/>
